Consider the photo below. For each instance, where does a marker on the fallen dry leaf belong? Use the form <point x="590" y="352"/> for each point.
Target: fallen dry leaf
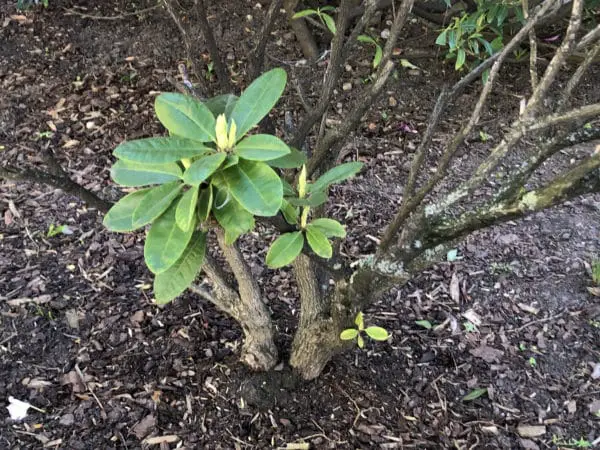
<point x="488" y="354"/>
<point x="167" y="439"/>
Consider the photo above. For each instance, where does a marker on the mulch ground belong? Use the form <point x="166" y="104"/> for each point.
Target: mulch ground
<point x="506" y="353"/>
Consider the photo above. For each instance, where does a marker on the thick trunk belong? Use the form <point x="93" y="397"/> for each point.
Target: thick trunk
<point x="314" y="346"/>
<point x="245" y="305"/>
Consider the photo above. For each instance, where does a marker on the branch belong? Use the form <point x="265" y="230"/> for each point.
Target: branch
<point x="213" y="49"/>
<point x="532" y="48"/>
<point x="584" y="178"/>
<point x="188" y="45"/>
<point x="303" y="34"/>
<point x="410" y="203"/>
<point x="63" y="183"/>
<point x="566" y="48"/>
<point x="330" y="145"/>
<point x="73" y="12"/>
<point x="332" y="75"/>
<point x="312" y="302"/>
<point x="576" y="77"/>
<point x="589" y="38"/>
<point x="258" y="54"/>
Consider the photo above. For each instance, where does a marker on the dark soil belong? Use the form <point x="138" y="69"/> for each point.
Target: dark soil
<point x="81" y="339"/>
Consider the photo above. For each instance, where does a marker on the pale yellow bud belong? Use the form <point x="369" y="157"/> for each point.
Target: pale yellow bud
<point x="221" y="132"/>
<point x="232" y="130"/>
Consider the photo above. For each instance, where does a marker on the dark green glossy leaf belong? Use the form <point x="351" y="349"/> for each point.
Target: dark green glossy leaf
<point x="285" y="249"/>
<point x="203" y="168"/>
<point x="177" y="278"/>
<point x="185" y="116"/>
<point x="165" y="242"/>
<point x="329" y="227"/>
<point x="315" y="199"/>
<point x="205" y="201"/>
<point x="155" y="202"/>
<point x="318" y="242"/>
<point x="292" y="160"/>
<point x="234" y="219"/>
<point x="257" y="100"/>
<point x="255" y="186"/>
<point x="231" y="160"/>
<point x="221" y="104"/>
<point x="261" y="147"/>
<point x="159" y="150"/>
<point x="186" y="207"/>
<point x="120" y="216"/>
<point x="288" y="190"/>
<point x="335" y="175"/>
<point x="135" y="174"/>
<point x="290" y="213"/>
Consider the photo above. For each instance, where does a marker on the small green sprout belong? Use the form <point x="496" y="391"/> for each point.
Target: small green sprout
<point x="579" y="443"/>
<point x="596" y="272"/>
<point x="425" y="324"/>
<point x="53" y="230"/>
<point x="483" y="136"/>
<point x="375" y="333"/>
<point x="469" y="327"/>
<point x="532" y="361"/>
<point x="321" y="13"/>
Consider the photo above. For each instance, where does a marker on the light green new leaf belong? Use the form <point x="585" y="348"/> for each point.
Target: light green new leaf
<point x="461" y="56"/>
<point x="329" y="22"/>
<point x="255" y="186"/>
<point x="221" y="104"/>
<point x="329" y="227"/>
<point x="261" y="147"/>
<point x="185" y="116"/>
<point x="234" y="219"/>
<point x="304" y="13"/>
<point x="165" y="242"/>
<point x="360" y="341"/>
<point x="285" y="249"/>
<point x="135" y="174"/>
<point x="318" y="242"/>
<point x="292" y="160"/>
<point x="335" y="175"/>
<point x="475" y="394"/>
<point x="203" y="168"/>
<point x="377" y="333"/>
<point x="155" y="202"/>
<point x="348" y="334"/>
<point x="257" y="100"/>
<point x="120" y="216"/>
<point x="205" y="201"/>
<point x="159" y="150"/>
<point x="425" y="324"/>
<point x="186" y="207"/>
<point x="176" y="279"/>
<point x="359" y="320"/>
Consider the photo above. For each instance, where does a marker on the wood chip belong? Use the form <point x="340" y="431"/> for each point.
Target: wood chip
<point x="529" y="431"/>
<point x="167" y="439"/>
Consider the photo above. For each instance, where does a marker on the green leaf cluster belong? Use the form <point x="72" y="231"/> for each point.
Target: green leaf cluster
<point x="472" y="37"/>
<point x="296" y="208"/>
<point x="207" y="168"/>
<point x="322" y="14"/>
<point x="374" y="332"/>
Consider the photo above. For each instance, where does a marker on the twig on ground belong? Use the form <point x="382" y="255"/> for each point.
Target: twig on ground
<point x="121" y="16"/>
